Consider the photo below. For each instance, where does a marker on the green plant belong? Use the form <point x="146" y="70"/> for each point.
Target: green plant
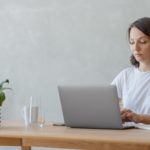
<point x="2" y="93"/>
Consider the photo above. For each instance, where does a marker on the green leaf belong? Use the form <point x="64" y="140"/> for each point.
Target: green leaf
<point x="2" y="94"/>
<point x="2" y="97"/>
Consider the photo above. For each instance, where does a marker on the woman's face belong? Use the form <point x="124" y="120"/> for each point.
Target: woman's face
<point x="140" y="45"/>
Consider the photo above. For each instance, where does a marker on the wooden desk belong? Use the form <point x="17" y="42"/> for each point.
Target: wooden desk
<point x="63" y="137"/>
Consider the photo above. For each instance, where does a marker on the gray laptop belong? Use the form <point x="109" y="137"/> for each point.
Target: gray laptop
<point x="90" y="106"/>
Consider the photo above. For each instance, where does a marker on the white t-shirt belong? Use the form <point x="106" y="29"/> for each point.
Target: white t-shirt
<point x="133" y="87"/>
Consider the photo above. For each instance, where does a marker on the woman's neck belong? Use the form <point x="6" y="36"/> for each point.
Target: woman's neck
<point x="144" y="67"/>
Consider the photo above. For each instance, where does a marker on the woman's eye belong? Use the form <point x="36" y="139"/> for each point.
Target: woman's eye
<point x="142" y="41"/>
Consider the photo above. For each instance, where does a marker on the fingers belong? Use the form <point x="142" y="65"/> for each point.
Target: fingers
<point x="133" y="117"/>
<point x="126" y="115"/>
<point x="125" y="111"/>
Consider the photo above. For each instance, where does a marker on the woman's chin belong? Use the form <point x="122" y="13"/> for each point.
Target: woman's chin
<point x="138" y="58"/>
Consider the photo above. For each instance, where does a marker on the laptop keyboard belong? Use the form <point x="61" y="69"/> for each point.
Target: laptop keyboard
<point x="128" y="125"/>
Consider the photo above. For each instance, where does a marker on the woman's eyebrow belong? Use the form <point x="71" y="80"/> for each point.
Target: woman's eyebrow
<point x="140" y="37"/>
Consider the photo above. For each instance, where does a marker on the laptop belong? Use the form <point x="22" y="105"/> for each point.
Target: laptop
<point x="91" y="107"/>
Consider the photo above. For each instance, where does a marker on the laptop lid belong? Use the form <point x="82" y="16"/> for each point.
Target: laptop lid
<point x="90" y="106"/>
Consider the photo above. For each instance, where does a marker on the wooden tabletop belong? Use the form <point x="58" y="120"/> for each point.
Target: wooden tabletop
<point x="65" y="137"/>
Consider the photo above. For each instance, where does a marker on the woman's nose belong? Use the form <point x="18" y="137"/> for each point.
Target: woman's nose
<point x="136" y="47"/>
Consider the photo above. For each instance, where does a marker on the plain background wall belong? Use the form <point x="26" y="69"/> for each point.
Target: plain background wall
<point x="44" y="43"/>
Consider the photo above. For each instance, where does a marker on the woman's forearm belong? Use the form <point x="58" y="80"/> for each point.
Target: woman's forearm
<point x="144" y="119"/>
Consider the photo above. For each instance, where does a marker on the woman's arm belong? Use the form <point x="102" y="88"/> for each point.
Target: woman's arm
<point x="128" y="115"/>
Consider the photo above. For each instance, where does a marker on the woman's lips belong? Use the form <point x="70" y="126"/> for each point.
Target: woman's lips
<point x="137" y="54"/>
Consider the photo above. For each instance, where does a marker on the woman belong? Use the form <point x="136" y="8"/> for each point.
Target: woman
<point x="133" y="83"/>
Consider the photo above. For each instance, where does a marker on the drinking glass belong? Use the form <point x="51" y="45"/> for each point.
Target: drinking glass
<point x="36" y="112"/>
<point x="25" y="113"/>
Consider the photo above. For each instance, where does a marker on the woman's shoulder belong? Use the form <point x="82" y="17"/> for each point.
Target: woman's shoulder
<point x="128" y="70"/>
<point x="124" y="76"/>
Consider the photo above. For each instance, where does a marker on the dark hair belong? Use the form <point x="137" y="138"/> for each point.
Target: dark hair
<point x="143" y="24"/>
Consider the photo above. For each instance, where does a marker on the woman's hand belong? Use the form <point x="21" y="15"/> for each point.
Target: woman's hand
<point x="127" y="115"/>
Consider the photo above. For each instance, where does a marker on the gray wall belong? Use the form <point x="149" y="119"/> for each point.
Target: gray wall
<point x="44" y="43"/>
